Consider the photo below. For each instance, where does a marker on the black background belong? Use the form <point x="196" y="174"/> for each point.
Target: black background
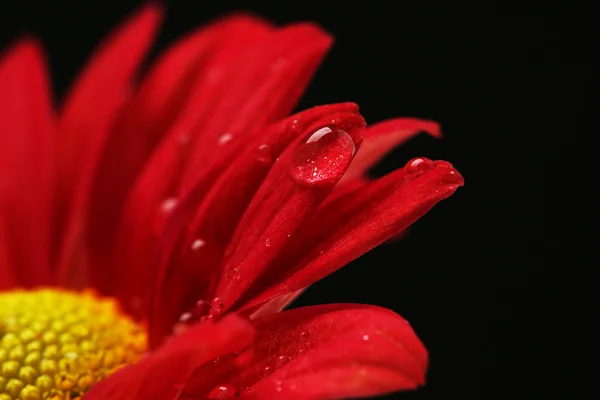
<point x="471" y="277"/>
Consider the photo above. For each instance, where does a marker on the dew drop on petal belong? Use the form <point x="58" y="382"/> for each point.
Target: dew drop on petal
<point x="281" y="361"/>
<point x="305" y="338"/>
<point x="268" y="243"/>
<point x="186" y="316"/>
<point x="202" y="307"/>
<point x="168" y="205"/>
<point x="197" y="244"/>
<point x="223" y="392"/>
<point x="417" y="167"/>
<point x="323" y="157"/>
<point x="278" y="386"/>
<point x="225" y="138"/>
<point x="365" y="337"/>
<point x="267" y="371"/>
<point x="263" y="154"/>
<point x="216" y="305"/>
<point x="163" y="214"/>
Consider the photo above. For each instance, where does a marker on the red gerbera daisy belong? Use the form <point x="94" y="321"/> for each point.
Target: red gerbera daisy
<point x="176" y="220"/>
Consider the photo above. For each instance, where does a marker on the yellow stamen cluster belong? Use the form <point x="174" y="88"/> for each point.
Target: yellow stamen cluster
<point x="56" y="344"/>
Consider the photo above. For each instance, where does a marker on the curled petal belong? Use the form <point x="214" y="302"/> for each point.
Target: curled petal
<point x="321" y="352"/>
<point x="383" y="137"/>
<point x="26" y="167"/>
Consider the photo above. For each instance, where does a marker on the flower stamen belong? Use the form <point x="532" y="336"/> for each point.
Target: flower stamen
<point x="55" y="344"/>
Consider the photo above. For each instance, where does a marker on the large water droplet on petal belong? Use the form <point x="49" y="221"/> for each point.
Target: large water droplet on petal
<point x="323" y="157"/>
<point x="417" y="167"/>
<point x="223" y="392"/>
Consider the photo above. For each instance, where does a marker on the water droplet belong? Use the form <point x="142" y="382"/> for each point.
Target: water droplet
<point x="417" y="167"/>
<point x="264" y="154"/>
<point x="168" y="205"/>
<point x="281" y="361"/>
<point x="267" y="371"/>
<point x="365" y="337"/>
<point x="268" y="243"/>
<point x="305" y="338"/>
<point x="223" y="392"/>
<point x="216" y="305"/>
<point x="186" y="316"/>
<point x="278" y="386"/>
<point x="201" y="309"/>
<point x="198" y="243"/>
<point x="323" y="157"/>
<point x="225" y="138"/>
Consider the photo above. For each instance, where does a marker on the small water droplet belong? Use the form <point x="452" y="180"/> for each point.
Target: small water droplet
<point x="186" y="316"/>
<point x="225" y="138"/>
<point x="323" y="157"/>
<point x="223" y="392"/>
<point x="168" y="205"/>
<point x="281" y="361"/>
<point x="278" y="386"/>
<point x="264" y="154"/>
<point x="267" y="371"/>
<point x="202" y="307"/>
<point x="216" y="305"/>
<point x="268" y="243"/>
<point x="198" y="243"/>
<point x="365" y="337"/>
<point x="417" y="167"/>
<point x="305" y="338"/>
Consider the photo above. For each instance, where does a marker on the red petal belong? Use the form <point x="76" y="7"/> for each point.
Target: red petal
<point x="143" y="220"/>
<point x="26" y="159"/>
<point x="190" y="268"/>
<point x="357" y="222"/>
<point x="89" y="112"/>
<point x="299" y="181"/>
<point x="262" y="89"/>
<point x="321" y="352"/>
<point x="383" y="137"/>
<point x="162" y="373"/>
<point x="144" y="121"/>
<point x="274" y="305"/>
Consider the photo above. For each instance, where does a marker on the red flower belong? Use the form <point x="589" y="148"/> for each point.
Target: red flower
<point x="196" y="203"/>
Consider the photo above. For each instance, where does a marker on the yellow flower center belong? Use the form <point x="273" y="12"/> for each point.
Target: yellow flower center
<point x="56" y="344"/>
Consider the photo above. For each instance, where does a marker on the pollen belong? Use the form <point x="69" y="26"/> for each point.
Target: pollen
<point x="56" y="344"/>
